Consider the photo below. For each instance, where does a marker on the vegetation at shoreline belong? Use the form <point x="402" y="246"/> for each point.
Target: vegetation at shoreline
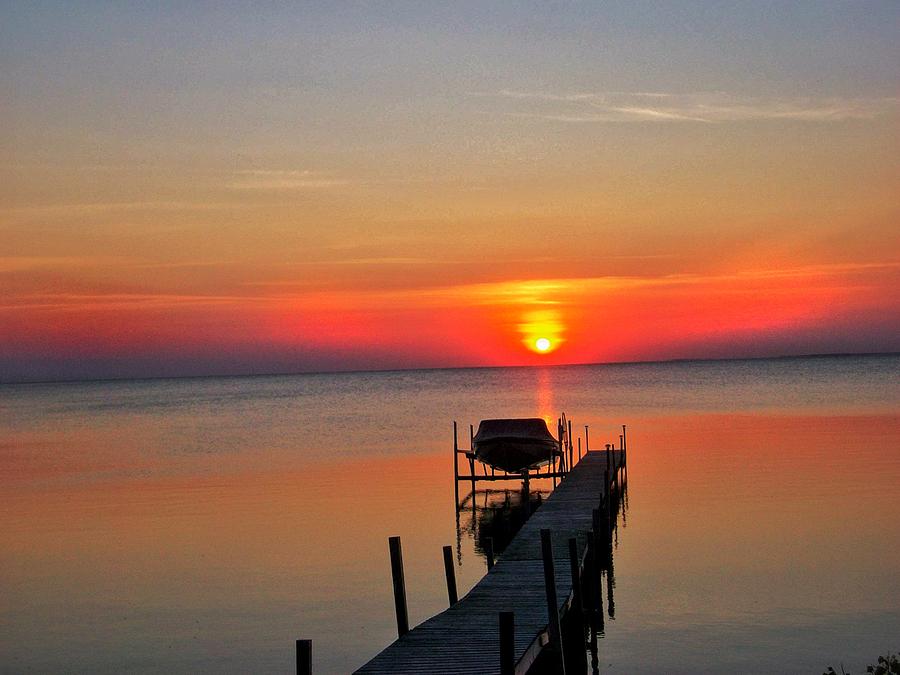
<point x="887" y="665"/>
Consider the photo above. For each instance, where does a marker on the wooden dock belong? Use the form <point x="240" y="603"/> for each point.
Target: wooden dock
<point x="465" y="638"/>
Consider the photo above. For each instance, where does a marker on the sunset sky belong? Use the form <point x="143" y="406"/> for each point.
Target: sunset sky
<point x="241" y="188"/>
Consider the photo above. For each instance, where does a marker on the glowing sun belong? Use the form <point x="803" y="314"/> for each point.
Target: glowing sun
<point x="542" y="344"/>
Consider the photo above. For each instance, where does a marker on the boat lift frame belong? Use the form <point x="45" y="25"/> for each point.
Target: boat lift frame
<point x="559" y="463"/>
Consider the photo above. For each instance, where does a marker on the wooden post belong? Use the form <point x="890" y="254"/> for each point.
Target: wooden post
<point x="571" y="453"/>
<point x="304" y="657"/>
<point x="552" y="604"/>
<point x="559" y="461"/>
<point x="399" y="586"/>
<point x="587" y="445"/>
<point x="489" y="551"/>
<point x="608" y="517"/>
<point x="601" y="624"/>
<point x="455" y="466"/>
<point x="472" y="459"/>
<point x="579" y="449"/>
<point x="575" y="569"/>
<point x="507" y="643"/>
<point x="450" y="572"/>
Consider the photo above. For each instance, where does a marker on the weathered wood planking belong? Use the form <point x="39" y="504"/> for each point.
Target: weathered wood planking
<point x="465" y="638"/>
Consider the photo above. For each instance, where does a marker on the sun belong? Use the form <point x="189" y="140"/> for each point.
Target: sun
<point x="542" y="344"/>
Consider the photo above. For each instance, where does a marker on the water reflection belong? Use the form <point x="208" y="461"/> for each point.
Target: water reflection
<point x="493" y="516"/>
<point x="196" y="525"/>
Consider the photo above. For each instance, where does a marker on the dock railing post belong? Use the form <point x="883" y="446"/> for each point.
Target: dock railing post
<point x="489" y="551"/>
<point x="472" y="458"/>
<point x="579" y="449"/>
<point x="507" y="643"/>
<point x="571" y="453"/>
<point x="587" y="445"/>
<point x="455" y="465"/>
<point x="450" y="573"/>
<point x="552" y="604"/>
<point x="399" y="586"/>
<point x="575" y="569"/>
<point x="304" y="657"/>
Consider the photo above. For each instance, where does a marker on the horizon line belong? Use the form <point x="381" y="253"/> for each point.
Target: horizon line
<point x="356" y="371"/>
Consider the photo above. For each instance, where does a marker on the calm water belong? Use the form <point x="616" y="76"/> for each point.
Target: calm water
<point x="205" y="524"/>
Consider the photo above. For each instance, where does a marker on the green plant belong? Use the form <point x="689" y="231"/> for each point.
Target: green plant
<point x="887" y="665"/>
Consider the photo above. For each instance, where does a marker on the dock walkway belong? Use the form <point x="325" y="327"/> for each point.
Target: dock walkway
<point x="465" y="637"/>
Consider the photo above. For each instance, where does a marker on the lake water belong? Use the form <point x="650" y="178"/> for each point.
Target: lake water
<point x="204" y="524"/>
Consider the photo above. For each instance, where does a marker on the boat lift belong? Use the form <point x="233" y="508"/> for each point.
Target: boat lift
<point x="559" y="462"/>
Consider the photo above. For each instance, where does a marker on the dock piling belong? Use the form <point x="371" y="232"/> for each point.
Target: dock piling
<point x="507" y="643"/>
<point x="456" y="465"/>
<point x="304" y="657"/>
<point x="450" y="573"/>
<point x="552" y="605"/>
<point x="575" y="568"/>
<point x="399" y="586"/>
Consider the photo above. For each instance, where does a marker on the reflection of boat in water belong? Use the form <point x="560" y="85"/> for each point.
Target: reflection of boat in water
<point x="497" y="515"/>
<point x="515" y="445"/>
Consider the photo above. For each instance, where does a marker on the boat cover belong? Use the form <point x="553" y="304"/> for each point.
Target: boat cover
<point x="533" y="429"/>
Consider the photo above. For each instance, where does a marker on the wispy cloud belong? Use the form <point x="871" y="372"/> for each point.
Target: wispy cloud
<point x="710" y="108"/>
<point x="277" y="179"/>
<point x="102" y="207"/>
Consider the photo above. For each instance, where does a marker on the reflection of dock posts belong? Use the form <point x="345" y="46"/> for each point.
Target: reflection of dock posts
<point x="552" y="605"/>
<point x="610" y="584"/>
<point x="489" y="551"/>
<point x="507" y="643"/>
<point x="304" y="657"/>
<point x="399" y="586"/>
<point x="597" y="550"/>
<point x="450" y="573"/>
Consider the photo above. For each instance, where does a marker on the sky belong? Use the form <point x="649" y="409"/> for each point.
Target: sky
<point x="224" y="188"/>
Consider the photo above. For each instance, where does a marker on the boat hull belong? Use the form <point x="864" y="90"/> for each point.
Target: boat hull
<point x="515" y="455"/>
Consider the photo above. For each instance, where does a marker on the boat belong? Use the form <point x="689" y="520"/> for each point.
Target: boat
<point x="515" y="445"/>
